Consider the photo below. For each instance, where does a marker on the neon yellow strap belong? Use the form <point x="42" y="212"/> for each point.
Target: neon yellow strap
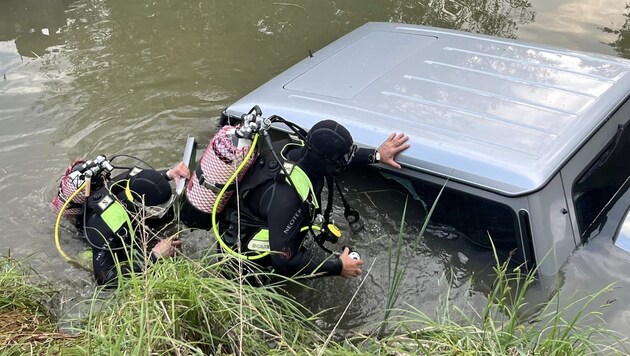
<point x="114" y="216"/>
<point x="302" y="184"/>
<point x="260" y="241"/>
<point x="128" y="194"/>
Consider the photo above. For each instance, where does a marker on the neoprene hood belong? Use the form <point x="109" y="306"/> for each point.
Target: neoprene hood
<point x="152" y="185"/>
<point x="329" y="139"/>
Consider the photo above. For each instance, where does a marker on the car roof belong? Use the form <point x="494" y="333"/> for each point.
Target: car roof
<point x="500" y="114"/>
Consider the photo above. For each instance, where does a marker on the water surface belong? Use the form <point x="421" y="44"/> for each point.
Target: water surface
<point x="87" y="77"/>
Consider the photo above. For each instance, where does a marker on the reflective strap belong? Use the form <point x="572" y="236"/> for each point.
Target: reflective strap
<point x="302" y="184"/>
<point x="128" y="193"/>
<point x="114" y="216"/>
<point x="260" y="241"/>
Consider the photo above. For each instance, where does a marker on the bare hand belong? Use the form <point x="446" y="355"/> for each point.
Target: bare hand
<point x="392" y="146"/>
<point x="351" y="268"/>
<point x="166" y="247"/>
<point x="179" y="171"/>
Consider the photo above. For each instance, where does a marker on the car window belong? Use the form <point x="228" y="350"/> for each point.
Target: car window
<point x="602" y="182"/>
<point x="477" y="218"/>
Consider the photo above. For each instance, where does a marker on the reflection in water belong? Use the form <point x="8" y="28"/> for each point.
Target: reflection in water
<point x="35" y="25"/>
<point x="491" y="17"/>
<point x="574" y="24"/>
<point x="156" y="62"/>
<point x="622" y="43"/>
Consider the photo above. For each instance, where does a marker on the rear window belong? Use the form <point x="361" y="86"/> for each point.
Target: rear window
<point x="602" y="182"/>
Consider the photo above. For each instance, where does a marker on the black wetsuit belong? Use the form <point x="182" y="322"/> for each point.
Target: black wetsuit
<point x="110" y="246"/>
<point x="104" y="261"/>
<point x="278" y="204"/>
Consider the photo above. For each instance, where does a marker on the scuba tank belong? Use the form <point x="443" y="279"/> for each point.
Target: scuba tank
<point x="77" y="173"/>
<point x="78" y="180"/>
<point x="231" y="151"/>
<point x="224" y="153"/>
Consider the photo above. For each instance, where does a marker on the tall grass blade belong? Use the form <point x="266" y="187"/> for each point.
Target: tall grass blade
<point x="397" y="269"/>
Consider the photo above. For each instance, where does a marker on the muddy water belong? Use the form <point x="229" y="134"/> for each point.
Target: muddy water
<point x="80" y="78"/>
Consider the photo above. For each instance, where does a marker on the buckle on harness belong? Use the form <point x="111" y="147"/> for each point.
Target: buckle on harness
<point x="214" y="187"/>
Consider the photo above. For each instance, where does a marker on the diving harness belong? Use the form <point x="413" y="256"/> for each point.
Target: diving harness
<point x="253" y="125"/>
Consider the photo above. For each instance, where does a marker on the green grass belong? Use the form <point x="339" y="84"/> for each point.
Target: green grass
<point x="185" y="307"/>
<point x="507" y="325"/>
<point x="26" y="326"/>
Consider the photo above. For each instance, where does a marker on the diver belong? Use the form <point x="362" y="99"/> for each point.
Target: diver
<point x="277" y="203"/>
<point x="122" y="216"/>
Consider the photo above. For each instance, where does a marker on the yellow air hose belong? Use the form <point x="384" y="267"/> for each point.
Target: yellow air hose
<point x="57" y="223"/>
<point x="218" y="200"/>
<point x="215" y="227"/>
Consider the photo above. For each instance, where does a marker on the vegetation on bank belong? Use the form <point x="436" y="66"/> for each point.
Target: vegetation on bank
<point x="185" y="307"/>
<point x="26" y="325"/>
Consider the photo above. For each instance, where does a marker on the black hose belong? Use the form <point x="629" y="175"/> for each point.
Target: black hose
<point x="129" y="156"/>
<point x="305" y="208"/>
<point x="113" y="249"/>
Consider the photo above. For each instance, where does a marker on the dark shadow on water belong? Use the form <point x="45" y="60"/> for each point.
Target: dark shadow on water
<point x="34" y="24"/>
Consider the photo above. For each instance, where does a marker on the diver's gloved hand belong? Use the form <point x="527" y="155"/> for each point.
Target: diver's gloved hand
<point x="392" y="146"/>
<point x="166" y="248"/>
<point x="179" y="171"/>
<point x="351" y="268"/>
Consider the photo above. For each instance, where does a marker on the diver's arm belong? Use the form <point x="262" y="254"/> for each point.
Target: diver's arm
<point x="387" y="151"/>
<point x="104" y="246"/>
<point x="285" y="217"/>
<point x="364" y="156"/>
<point x="107" y="248"/>
<point x="104" y="267"/>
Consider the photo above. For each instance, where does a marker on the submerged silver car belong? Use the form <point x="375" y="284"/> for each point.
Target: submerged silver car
<point x="531" y="141"/>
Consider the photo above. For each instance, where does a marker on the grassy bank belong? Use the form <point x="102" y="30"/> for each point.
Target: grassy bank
<point x="185" y="307"/>
<point x="26" y="325"/>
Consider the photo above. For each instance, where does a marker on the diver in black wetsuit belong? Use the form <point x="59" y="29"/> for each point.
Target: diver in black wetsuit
<point x="273" y="204"/>
<point x="120" y="220"/>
